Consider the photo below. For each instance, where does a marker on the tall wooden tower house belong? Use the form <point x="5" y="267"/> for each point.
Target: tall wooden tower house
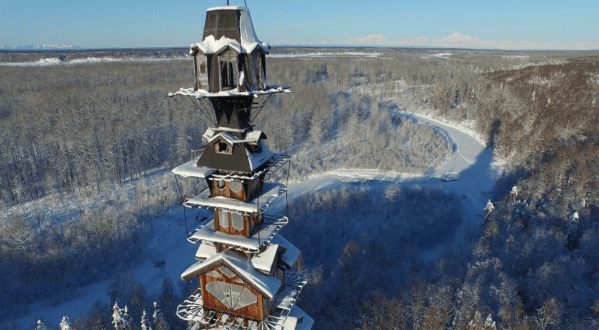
<point x="246" y="270"/>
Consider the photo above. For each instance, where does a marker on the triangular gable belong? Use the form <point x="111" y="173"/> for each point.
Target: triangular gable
<point x="266" y="285"/>
<point x="252" y="137"/>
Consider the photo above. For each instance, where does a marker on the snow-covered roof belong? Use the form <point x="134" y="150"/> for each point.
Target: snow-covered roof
<point x="278" y="160"/>
<point x="269" y="193"/>
<point x="285" y="298"/>
<point x="257" y="159"/>
<point x="213" y="134"/>
<point x="206" y="250"/>
<point x="192" y="170"/>
<point x="263" y="261"/>
<point x="267" y="285"/>
<point x="291" y="254"/>
<point x="302" y="320"/>
<point x="262" y="236"/>
<point x="201" y="93"/>
<point x="249" y="41"/>
<point x="225" y="8"/>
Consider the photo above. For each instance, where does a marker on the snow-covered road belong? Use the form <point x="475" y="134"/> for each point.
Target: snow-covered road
<point x="470" y="167"/>
<point x="469" y="173"/>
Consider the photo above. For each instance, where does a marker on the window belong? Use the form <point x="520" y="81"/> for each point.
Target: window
<point x="223" y="218"/>
<point x="237" y="221"/>
<point x="228" y="75"/>
<point x="235" y="186"/>
<point x="254" y="147"/>
<point x="220" y="184"/>
<point x="222" y="148"/>
<point x="233" y="296"/>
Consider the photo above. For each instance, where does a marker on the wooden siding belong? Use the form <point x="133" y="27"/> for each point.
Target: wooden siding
<point x="226" y="191"/>
<point x="255" y="311"/>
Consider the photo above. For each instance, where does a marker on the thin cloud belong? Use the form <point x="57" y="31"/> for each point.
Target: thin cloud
<point x="456" y="40"/>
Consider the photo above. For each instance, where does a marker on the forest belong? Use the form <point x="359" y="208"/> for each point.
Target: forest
<point x="87" y="148"/>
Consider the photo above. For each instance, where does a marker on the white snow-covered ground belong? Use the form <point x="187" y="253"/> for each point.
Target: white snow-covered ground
<point x="326" y="54"/>
<point x="56" y="61"/>
<point x="469" y="173"/>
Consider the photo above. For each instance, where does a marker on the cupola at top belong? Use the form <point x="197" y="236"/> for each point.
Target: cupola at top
<point x="232" y="22"/>
<point x="230" y="56"/>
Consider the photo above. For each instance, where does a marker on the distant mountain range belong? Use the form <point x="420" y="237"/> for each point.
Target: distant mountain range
<point x="38" y="47"/>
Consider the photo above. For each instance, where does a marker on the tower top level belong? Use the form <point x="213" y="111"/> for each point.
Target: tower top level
<point x="230" y="26"/>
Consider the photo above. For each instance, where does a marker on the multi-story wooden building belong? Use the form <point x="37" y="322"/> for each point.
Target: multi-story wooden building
<point x="246" y="269"/>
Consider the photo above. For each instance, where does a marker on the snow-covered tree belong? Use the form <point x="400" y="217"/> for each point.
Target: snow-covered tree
<point x="489" y="208"/>
<point x="127" y="325"/>
<point x="514" y="192"/>
<point x="548" y="315"/>
<point x="158" y="319"/>
<point x="145" y="322"/>
<point x="65" y="324"/>
<point x="41" y="326"/>
<point x="489" y="323"/>
<point x="478" y="324"/>
<point x="120" y="317"/>
<point x="572" y="223"/>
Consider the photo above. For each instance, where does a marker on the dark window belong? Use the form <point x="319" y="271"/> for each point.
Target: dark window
<point x="223" y="148"/>
<point x="220" y="184"/>
<point x="227" y="75"/>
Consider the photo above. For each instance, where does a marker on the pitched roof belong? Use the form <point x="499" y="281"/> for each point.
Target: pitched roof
<point x="264" y="260"/>
<point x="206" y="250"/>
<point x="191" y="169"/>
<point x="248" y="41"/>
<point x="213" y="134"/>
<point x="265" y="284"/>
<point x="291" y="254"/>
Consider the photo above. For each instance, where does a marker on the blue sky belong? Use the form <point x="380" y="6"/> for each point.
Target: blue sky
<point x="150" y="23"/>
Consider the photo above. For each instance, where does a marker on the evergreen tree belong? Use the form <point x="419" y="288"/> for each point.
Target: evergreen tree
<point x="41" y="326"/>
<point x="65" y="324"/>
<point x="145" y="323"/>
<point x="127" y="322"/>
<point x="158" y="319"/>
<point x="117" y="317"/>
